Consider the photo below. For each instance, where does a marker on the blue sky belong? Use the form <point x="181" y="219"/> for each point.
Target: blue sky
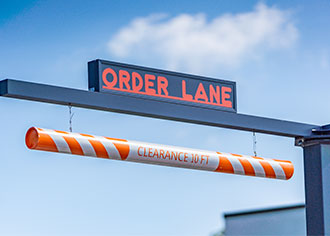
<point x="282" y="71"/>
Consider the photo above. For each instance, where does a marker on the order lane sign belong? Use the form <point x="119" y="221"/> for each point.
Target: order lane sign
<point x="161" y="85"/>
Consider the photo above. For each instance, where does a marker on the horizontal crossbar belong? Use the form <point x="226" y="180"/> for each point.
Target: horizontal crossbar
<point x="151" y="108"/>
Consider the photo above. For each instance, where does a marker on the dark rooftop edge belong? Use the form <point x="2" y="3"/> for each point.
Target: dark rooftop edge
<point x="265" y="210"/>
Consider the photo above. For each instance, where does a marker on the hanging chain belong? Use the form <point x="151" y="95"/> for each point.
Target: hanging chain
<point x="255" y="144"/>
<point x="71" y="114"/>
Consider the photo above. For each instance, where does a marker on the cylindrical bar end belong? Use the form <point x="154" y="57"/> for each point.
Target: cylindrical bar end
<point x="289" y="171"/>
<point x="32" y="138"/>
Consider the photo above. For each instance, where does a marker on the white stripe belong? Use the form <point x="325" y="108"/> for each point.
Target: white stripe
<point x="258" y="169"/>
<point x="110" y="148"/>
<point x="279" y="172"/>
<point x="61" y="144"/>
<point x="85" y="145"/>
<point x="238" y="168"/>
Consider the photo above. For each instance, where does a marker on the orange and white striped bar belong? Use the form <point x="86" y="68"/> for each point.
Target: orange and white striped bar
<point x="120" y="149"/>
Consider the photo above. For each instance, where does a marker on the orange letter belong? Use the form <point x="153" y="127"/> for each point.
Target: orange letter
<point x="225" y="95"/>
<point x="139" y="151"/>
<point x="202" y="158"/>
<point x="108" y="84"/>
<point x="156" y="153"/>
<point x="185" y="96"/>
<point x="162" y="85"/>
<point x="200" y="93"/>
<point x="179" y="156"/>
<point x="150" y="154"/>
<point x="168" y="155"/>
<point x="174" y="154"/>
<point x="185" y="157"/>
<point x="124" y="79"/>
<point x="148" y="83"/>
<point x="161" y="153"/>
<point x="135" y="87"/>
<point x="207" y="159"/>
<point x="214" y="94"/>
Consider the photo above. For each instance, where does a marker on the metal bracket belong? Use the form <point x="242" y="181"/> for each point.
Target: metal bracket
<point x="319" y="135"/>
<point x="325" y="129"/>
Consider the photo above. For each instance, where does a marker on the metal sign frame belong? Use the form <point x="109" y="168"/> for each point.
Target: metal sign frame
<point x="314" y="139"/>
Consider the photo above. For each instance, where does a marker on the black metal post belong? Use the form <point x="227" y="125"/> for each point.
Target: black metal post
<point x="317" y="182"/>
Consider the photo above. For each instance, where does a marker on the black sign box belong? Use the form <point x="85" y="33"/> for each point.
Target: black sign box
<point x="166" y="86"/>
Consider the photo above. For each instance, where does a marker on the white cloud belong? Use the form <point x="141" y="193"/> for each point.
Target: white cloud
<point x="192" y="42"/>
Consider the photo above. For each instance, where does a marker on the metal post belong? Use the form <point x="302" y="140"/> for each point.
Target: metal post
<point x="317" y="181"/>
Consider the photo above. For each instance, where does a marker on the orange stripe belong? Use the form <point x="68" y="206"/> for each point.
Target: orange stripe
<point x="72" y="142"/>
<point x="122" y="148"/>
<point x="46" y="143"/>
<point x="248" y="168"/>
<point x="269" y="171"/>
<point x="288" y="169"/>
<point x="224" y="165"/>
<point x="117" y="139"/>
<point x="282" y="161"/>
<point x="236" y="155"/>
<point x="98" y="146"/>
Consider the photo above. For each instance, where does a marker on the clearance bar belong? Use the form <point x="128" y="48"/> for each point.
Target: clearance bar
<point x="119" y="149"/>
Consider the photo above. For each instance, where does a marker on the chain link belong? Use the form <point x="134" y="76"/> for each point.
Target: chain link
<point x="71" y="114"/>
<point x="255" y="144"/>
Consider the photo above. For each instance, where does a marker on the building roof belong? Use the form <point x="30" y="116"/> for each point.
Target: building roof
<point x="265" y="210"/>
